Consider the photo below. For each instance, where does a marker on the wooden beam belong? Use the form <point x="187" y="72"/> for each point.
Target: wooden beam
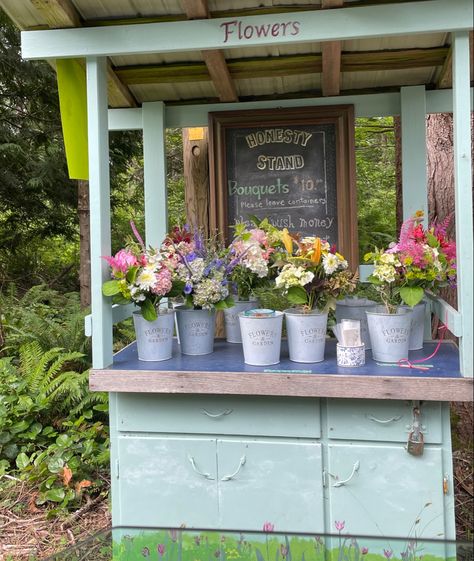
<point x="445" y="78"/>
<point x="63" y="14"/>
<point x="214" y="59"/>
<point x="331" y="78"/>
<point x="288" y="65"/>
<point x="387" y="20"/>
<point x="331" y="52"/>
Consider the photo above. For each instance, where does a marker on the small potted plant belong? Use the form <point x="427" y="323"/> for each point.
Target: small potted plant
<point x="249" y="258"/>
<point x="312" y="275"/>
<point x="422" y="259"/>
<point x="201" y="268"/>
<point x="144" y="277"/>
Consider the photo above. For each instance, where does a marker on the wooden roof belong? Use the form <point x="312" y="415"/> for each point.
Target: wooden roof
<point x="251" y="73"/>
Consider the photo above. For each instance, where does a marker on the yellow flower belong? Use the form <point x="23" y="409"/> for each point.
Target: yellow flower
<point x="316" y="255"/>
<point x="419" y="214"/>
<point x="287" y="240"/>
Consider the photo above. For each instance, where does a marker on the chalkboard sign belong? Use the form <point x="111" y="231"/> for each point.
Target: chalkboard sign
<point x="293" y="166"/>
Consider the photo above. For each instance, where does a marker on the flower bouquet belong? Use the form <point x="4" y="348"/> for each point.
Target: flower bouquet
<point x="203" y="271"/>
<point x="422" y="259"/>
<point x="145" y="276"/>
<point x="142" y="276"/>
<point x="312" y="276"/>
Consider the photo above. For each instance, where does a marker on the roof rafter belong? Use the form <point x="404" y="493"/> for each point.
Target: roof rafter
<point x="331" y="78"/>
<point x="214" y="59"/>
<point x="287" y="65"/>
<point x="63" y="14"/>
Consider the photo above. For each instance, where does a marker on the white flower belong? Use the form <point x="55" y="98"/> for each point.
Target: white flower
<point x="386" y="273"/>
<point x="293" y="276"/>
<point x="331" y="263"/>
<point x="146" y="278"/>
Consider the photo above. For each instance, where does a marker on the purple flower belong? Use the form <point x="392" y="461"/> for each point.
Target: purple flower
<point x="146" y="552"/>
<point x="161" y="549"/>
<point x="173" y="535"/>
<point x="283" y="550"/>
<point x="188" y="288"/>
<point x="268" y="527"/>
<point x="339" y="525"/>
<point x="387" y="553"/>
<point x="364" y="550"/>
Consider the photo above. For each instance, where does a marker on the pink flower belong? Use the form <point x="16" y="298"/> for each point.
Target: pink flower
<point x="258" y="236"/>
<point x="122" y="261"/>
<point x="339" y="525"/>
<point x="387" y="553"/>
<point x="268" y="527"/>
<point x="161" y="549"/>
<point x="163" y="282"/>
<point x="364" y="550"/>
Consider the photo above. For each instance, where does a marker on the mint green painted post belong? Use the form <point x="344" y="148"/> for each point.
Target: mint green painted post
<point x="154" y="144"/>
<point x="413" y="120"/>
<point x="463" y="195"/>
<point x="99" y="189"/>
<point x="414" y="180"/>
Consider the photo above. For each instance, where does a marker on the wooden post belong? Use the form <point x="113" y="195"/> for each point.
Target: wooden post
<point x="83" y="212"/>
<point x="196" y="177"/>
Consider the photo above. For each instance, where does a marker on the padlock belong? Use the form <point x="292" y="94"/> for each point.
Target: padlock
<point x="416" y="443"/>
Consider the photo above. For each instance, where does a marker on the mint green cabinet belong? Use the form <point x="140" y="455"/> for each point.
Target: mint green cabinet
<point x="236" y="462"/>
<point x="273" y="481"/>
<point x="390" y="493"/>
<point x="198" y="482"/>
<point x="162" y="481"/>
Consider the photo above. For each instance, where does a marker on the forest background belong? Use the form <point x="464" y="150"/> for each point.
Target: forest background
<point x="54" y="446"/>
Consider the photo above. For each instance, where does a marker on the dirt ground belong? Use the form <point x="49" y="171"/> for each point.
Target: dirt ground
<point x="28" y="534"/>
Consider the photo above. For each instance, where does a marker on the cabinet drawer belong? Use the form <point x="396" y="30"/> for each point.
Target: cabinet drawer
<point x="381" y="420"/>
<point x="259" y="416"/>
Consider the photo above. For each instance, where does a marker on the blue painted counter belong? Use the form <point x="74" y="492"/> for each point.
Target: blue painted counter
<point x="228" y="357"/>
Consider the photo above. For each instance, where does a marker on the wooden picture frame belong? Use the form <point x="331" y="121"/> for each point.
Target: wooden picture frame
<point x="295" y="165"/>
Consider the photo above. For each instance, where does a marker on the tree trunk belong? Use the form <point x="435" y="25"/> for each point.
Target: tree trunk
<point x="84" y="242"/>
<point x="398" y="171"/>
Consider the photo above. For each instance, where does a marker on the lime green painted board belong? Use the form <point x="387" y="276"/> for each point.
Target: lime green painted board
<point x="72" y="89"/>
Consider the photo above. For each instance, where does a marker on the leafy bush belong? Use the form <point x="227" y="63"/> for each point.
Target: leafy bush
<point x="52" y="428"/>
<point x="48" y="433"/>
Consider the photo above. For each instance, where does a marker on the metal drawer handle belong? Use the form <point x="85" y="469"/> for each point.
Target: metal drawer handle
<point x="217" y="415"/>
<point x="355" y="469"/>
<point x="198" y="471"/>
<point x="384" y="421"/>
<point x="232" y="475"/>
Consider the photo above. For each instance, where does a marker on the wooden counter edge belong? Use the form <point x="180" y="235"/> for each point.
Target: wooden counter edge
<point x="280" y="384"/>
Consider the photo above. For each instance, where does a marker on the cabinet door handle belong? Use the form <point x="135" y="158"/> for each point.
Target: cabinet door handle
<point x="198" y="471"/>
<point x="384" y="421"/>
<point x="355" y="469"/>
<point x="217" y="415"/>
<point x="232" y="475"/>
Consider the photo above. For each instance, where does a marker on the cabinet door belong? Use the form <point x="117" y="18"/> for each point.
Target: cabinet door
<point x="167" y="481"/>
<point x="278" y="482"/>
<point x="391" y="493"/>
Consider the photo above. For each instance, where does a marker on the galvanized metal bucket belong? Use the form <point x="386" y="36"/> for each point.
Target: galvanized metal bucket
<point x="417" y="326"/>
<point x="306" y="332"/>
<point x="355" y="308"/>
<point x="231" y="319"/>
<point x="154" y="338"/>
<point x="196" y="330"/>
<point x="389" y="334"/>
<point x="261" y="337"/>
